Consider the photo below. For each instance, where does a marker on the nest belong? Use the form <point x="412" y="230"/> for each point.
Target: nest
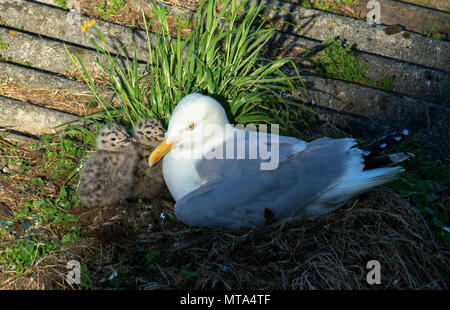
<point x="327" y="252"/>
<point x="144" y="246"/>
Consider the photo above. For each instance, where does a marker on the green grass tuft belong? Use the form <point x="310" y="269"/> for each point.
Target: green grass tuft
<point x="436" y="33"/>
<point x="327" y="5"/>
<point x="420" y="183"/>
<point x="61" y="3"/>
<point x="3" y="46"/>
<point x="221" y="57"/>
<point x="104" y="12"/>
<point x="27" y="235"/>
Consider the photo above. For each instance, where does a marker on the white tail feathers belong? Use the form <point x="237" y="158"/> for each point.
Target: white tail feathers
<point x="398" y="158"/>
<point x="354" y="185"/>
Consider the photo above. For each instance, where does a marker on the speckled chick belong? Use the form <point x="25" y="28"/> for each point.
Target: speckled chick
<point x="108" y="174"/>
<point x="148" y="181"/>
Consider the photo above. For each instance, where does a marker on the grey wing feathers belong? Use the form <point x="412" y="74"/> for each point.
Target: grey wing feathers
<point x="240" y="200"/>
<point x="281" y="147"/>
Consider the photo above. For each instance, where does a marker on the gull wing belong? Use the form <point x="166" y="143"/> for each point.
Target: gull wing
<point x="238" y="198"/>
<point x="245" y="152"/>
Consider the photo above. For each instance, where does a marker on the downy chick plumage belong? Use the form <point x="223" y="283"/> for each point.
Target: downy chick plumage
<point x="149" y="181"/>
<point x="108" y="174"/>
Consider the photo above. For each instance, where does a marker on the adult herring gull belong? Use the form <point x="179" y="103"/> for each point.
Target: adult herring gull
<point x="213" y="185"/>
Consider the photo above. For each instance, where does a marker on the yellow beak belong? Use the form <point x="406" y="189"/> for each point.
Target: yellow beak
<point x="159" y="153"/>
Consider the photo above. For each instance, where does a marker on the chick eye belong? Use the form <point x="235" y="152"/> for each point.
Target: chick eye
<point x="191" y="126"/>
<point x="113" y="139"/>
<point x="148" y="132"/>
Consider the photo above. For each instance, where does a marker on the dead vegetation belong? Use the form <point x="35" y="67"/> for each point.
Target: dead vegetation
<point x="144" y="246"/>
<point x="329" y="252"/>
<point x="70" y="101"/>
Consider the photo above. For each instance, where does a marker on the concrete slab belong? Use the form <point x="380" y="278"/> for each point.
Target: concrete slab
<point x="409" y="79"/>
<point x="53" y="22"/>
<point x="433" y="85"/>
<point x="382" y="40"/>
<point x="407" y="15"/>
<point x="43" y="53"/>
<point x="371" y="113"/>
<point x="31" y="119"/>
<point x="443" y="5"/>
<point x="38" y="79"/>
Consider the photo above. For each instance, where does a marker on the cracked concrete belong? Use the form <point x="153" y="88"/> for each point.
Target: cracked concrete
<point x="28" y="118"/>
<point x="420" y="64"/>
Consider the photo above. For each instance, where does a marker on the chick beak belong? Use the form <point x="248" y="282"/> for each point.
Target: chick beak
<point x="131" y="139"/>
<point x="159" y="152"/>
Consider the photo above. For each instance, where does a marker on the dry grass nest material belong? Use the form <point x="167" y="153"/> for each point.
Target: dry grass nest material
<point x="329" y="252"/>
<point x="71" y="101"/>
<point x="49" y="271"/>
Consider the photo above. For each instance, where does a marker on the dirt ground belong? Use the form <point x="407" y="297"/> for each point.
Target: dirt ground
<point x="144" y="246"/>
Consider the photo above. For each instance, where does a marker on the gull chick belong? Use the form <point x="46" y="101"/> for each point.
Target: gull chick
<point x="148" y="181"/>
<point x="108" y="174"/>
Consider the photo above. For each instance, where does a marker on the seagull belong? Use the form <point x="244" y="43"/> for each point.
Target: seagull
<point x="216" y="185"/>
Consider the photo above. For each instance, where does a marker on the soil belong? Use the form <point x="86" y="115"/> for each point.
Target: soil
<point x="142" y="245"/>
<point x="129" y="18"/>
<point x="329" y="252"/>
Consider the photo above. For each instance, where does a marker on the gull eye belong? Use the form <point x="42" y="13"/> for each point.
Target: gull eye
<point x="113" y="139"/>
<point x="148" y="132"/>
<point x="191" y="126"/>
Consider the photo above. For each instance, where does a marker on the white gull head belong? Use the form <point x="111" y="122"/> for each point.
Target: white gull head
<point x="196" y="125"/>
